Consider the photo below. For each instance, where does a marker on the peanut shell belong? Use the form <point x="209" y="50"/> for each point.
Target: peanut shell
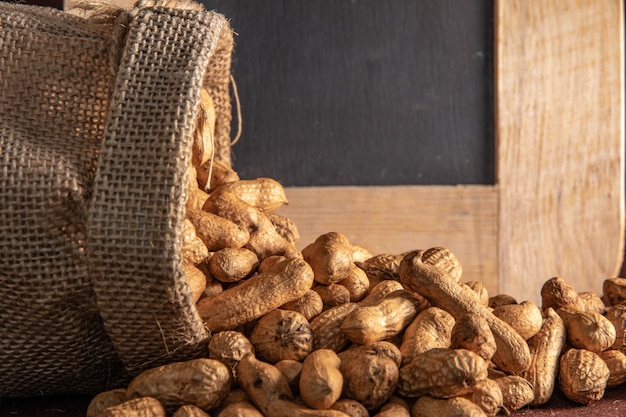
<point x="616" y="362"/>
<point x="516" y="391"/>
<point x="136" y="407"/>
<point x="427" y="406"/>
<point x="583" y="376"/>
<point x="170" y="383"/>
<point x="104" y="400"/>
<point x="442" y="373"/>
<point x="321" y="381"/>
<point x="282" y="334"/>
<point x="190" y="411"/>
<point x="614" y="290"/>
<point x="472" y="332"/>
<point x="430" y="329"/>
<point x="360" y="363"/>
<point x="588" y="330"/>
<point x="525" y="318"/>
<point x="488" y="396"/>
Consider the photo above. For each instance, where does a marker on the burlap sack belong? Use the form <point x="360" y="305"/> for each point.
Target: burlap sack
<point x="96" y="121"/>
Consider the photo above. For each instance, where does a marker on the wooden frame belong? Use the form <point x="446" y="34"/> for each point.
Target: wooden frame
<point x="558" y="205"/>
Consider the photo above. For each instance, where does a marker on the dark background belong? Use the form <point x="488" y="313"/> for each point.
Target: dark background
<point x="364" y="92"/>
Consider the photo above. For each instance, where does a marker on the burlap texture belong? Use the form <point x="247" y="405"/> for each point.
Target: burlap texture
<point x="96" y="123"/>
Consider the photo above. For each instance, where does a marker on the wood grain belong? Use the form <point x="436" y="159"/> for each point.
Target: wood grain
<point x="402" y="218"/>
<point x="560" y="148"/>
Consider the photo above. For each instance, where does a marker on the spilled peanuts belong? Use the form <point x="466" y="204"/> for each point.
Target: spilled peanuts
<point x="334" y="330"/>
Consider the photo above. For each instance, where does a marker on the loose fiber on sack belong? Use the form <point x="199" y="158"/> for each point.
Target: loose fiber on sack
<point x="96" y="122"/>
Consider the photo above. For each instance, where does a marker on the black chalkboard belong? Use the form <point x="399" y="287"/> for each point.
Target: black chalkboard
<point x="364" y="92"/>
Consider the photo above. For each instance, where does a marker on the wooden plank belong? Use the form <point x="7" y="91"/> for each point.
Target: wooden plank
<point x="401" y="218"/>
<point x="560" y="146"/>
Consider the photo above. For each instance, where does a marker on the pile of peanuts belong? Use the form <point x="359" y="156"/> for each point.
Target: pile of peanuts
<point x="334" y="330"/>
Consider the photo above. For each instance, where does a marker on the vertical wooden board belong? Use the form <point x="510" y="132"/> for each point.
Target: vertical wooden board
<point x="401" y="218"/>
<point x="559" y="142"/>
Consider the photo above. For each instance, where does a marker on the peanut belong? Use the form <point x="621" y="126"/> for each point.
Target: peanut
<point x="387" y="262"/>
<point x="262" y="382"/>
<point x="525" y="318"/>
<point x="431" y="328"/>
<point x="282" y="408"/>
<point x="330" y="257"/>
<point x="592" y="302"/>
<point x="282" y="334"/>
<point x="321" y="382"/>
<point x="472" y="332"/>
<point x="212" y="174"/>
<point x="190" y="411"/>
<point x="264" y="239"/>
<point x="196" y="280"/>
<point x="332" y="294"/>
<point x="360" y="363"/>
<point x="233" y="264"/>
<point x="285" y="227"/>
<point x="395" y="407"/>
<point x="288" y="280"/>
<point x="545" y="349"/>
<point x="443" y="259"/>
<point x="195" y="198"/>
<point x="616" y="362"/>
<point x="269" y="262"/>
<point x="442" y="290"/>
<point x="291" y="369"/>
<point x="557" y="293"/>
<point x="614" y="290"/>
<point x="269" y="391"/>
<point x="369" y="324"/>
<point x="240" y="409"/>
<point x="427" y="406"/>
<point x="203" y="136"/>
<point x="193" y="248"/>
<point x="170" y="383"/>
<point x="488" y="396"/>
<point x="212" y="285"/>
<point x="383" y="348"/>
<point x="442" y="373"/>
<point x="326" y="331"/>
<point x="309" y="305"/>
<point x="357" y="283"/>
<point x="617" y="316"/>
<point x="228" y="347"/>
<point x="360" y="254"/>
<point x="350" y="407"/>
<point x="236" y="395"/>
<point x="380" y="291"/>
<point x="104" y="400"/>
<point x="480" y="290"/>
<point x="516" y="391"/>
<point x="265" y="194"/>
<point x="588" y="330"/>
<point x="376" y="275"/>
<point x="217" y="232"/>
<point x="136" y="407"/>
<point x="501" y="300"/>
<point x="583" y="376"/>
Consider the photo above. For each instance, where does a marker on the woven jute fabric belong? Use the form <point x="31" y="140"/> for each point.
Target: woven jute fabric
<point x="96" y="122"/>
